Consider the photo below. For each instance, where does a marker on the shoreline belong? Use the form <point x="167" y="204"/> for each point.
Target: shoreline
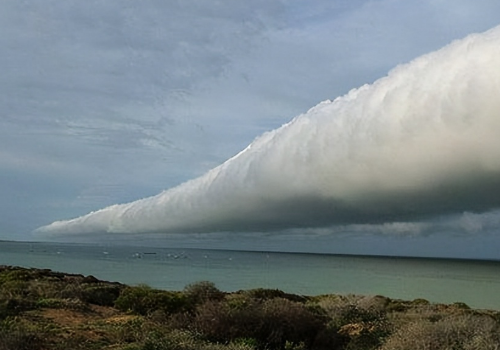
<point x="445" y="281"/>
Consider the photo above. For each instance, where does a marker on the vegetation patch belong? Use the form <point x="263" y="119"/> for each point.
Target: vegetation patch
<point x="42" y="309"/>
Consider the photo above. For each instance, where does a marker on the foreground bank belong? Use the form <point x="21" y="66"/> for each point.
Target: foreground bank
<point x="42" y="309"/>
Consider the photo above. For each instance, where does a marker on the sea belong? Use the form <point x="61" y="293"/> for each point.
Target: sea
<point x="474" y="282"/>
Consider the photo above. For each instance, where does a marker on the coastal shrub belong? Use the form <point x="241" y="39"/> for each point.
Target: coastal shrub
<point x="51" y="303"/>
<point x="101" y="294"/>
<point x="360" y="329"/>
<point x="6" y="309"/>
<point x="200" y="292"/>
<point x="355" y="322"/>
<point x="416" y="312"/>
<point x="87" y="289"/>
<point x="14" y="274"/>
<point x="248" y="342"/>
<point x="34" y="284"/>
<point x="266" y="293"/>
<point x="14" y="306"/>
<point x="132" y="330"/>
<point x="292" y="346"/>
<point x="15" y="335"/>
<point x="284" y="321"/>
<point x="33" y="303"/>
<point x="465" y="332"/>
<point x="220" y="321"/>
<point x="460" y="305"/>
<point x="239" y="301"/>
<point x="183" y="340"/>
<point x="144" y="300"/>
<point x="272" y="323"/>
<point x="176" y="340"/>
<point x="19" y="340"/>
<point x="55" y="303"/>
<point x="420" y="301"/>
<point x="44" y="289"/>
<point x="375" y="303"/>
<point x="336" y="305"/>
<point x="76" y="341"/>
<point x="350" y="314"/>
<point x="14" y="289"/>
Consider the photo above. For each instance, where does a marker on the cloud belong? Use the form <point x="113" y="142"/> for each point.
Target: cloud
<point x="119" y="66"/>
<point x="89" y="88"/>
<point x="419" y="143"/>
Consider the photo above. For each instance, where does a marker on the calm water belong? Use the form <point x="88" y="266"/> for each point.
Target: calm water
<point x="476" y="283"/>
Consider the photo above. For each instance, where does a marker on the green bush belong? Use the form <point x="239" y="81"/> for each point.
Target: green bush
<point x="220" y="321"/>
<point x="32" y="285"/>
<point x="201" y="317"/>
<point x="285" y="321"/>
<point x="265" y="294"/>
<point x="182" y="340"/>
<point x="14" y="289"/>
<point x="354" y="327"/>
<point x="200" y="292"/>
<point x="101" y="294"/>
<point x="273" y="323"/>
<point x="16" y="336"/>
<point x="144" y="300"/>
<point x="460" y="305"/>
<point x="14" y="306"/>
<point x="15" y="274"/>
<point x="131" y="331"/>
<point x="420" y="301"/>
<point x="464" y="332"/>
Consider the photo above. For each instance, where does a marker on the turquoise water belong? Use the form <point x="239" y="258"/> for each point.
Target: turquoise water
<point x="477" y="283"/>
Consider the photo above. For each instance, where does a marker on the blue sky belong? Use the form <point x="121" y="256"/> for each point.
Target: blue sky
<point x="110" y="102"/>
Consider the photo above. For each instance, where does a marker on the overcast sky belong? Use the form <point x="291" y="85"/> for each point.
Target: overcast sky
<point x="106" y="102"/>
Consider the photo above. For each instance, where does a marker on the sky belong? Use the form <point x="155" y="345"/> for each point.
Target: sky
<point x="104" y="103"/>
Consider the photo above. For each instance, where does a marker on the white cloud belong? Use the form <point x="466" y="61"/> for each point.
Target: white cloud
<point x="105" y="102"/>
<point x="421" y="142"/>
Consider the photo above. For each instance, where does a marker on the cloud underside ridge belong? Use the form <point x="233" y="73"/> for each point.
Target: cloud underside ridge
<point x="418" y="143"/>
